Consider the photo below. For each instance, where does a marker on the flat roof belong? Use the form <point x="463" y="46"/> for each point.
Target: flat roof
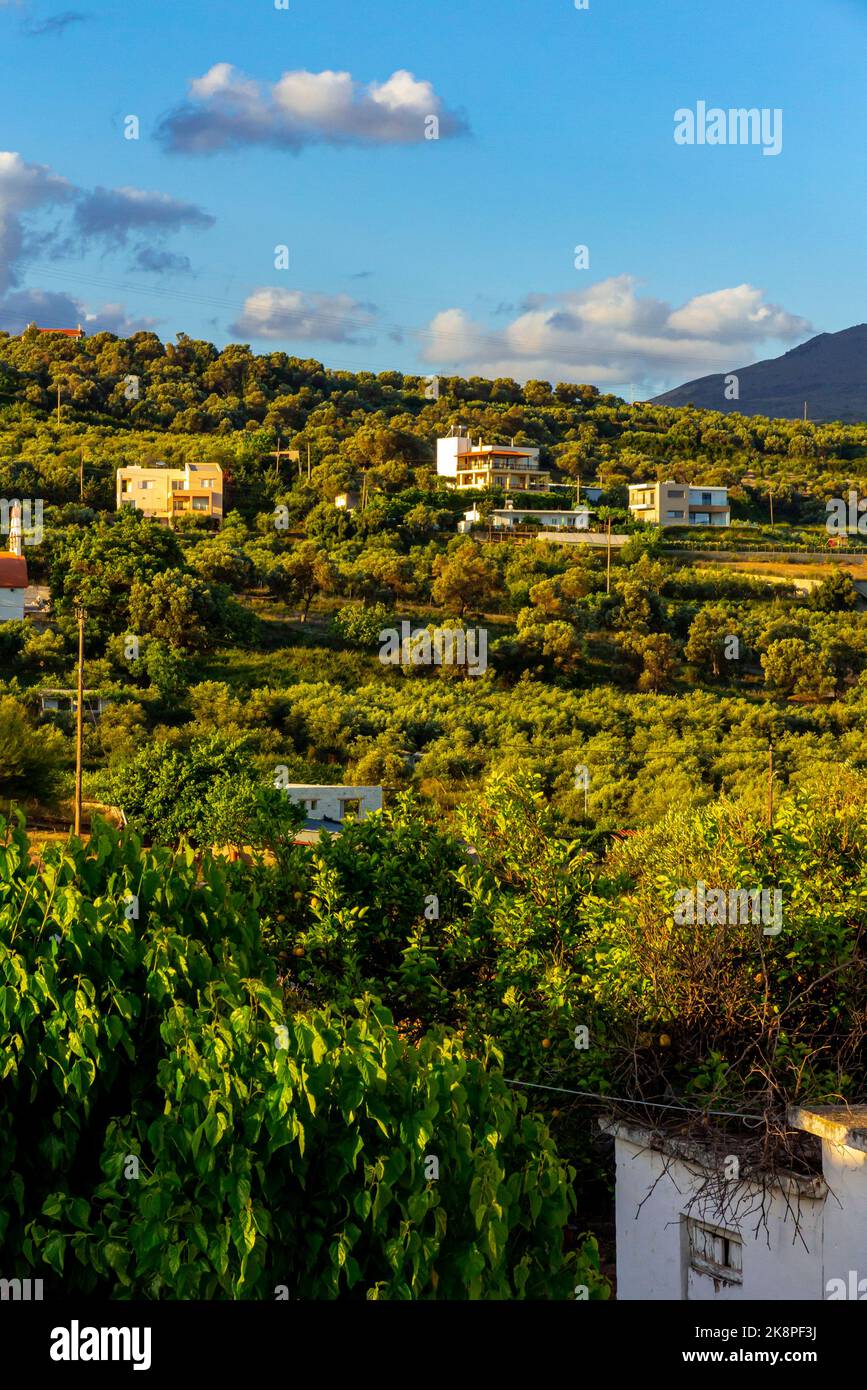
<point x="540" y="511"/>
<point x="327" y="787"/>
<point x="704" y="1154"/>
<point x="838" y="1124"/>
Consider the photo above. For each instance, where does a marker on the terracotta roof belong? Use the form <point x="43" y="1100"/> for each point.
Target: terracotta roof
<point x="13" y="571"/>
<point x="68" y="332"/>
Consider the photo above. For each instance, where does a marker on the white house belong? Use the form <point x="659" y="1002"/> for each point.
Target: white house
<point x="509" y="518"/>
<point x="335" y="804"/>
<point x="464" y="463"/>
<point x="13" y="571"/>
<point x="13" y="583"/>
<point x="688" y="1229"/>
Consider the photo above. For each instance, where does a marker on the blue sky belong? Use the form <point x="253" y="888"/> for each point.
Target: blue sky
<point x="455" y="254"/>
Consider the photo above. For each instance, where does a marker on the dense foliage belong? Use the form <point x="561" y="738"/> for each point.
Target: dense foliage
<point x="170" y="1127"/>
<point x="317" y="1072"/>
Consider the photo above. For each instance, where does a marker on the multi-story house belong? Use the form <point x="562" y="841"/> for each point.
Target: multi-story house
<point x="13" y="572"/>
<point x="679" y="504"/>
<point x="468" y="464"/>
<point x="164" y="493"/>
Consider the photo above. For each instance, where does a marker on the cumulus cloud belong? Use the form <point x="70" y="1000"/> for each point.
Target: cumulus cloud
<point x="226" y="110"/>
<point x="54" y="309"/>
<point x="23" y="188"/>
<point x="609" y="334"/>
<point x="113" y="213"/>
<point x="296" y="314"/>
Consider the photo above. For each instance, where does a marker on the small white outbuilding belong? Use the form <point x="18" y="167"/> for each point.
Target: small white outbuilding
<point x="689" y="1228"/>
<point x="334" y="804"/>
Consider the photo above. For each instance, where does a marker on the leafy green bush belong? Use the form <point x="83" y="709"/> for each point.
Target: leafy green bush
<point x="30" y="757"/>
<point x="169" y="1128"/>
<point x="359" y="625"/>
<point x="207" y="793"/>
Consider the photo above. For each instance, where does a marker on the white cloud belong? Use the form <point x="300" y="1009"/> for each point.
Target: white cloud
<point x="610" y="335"/>
<point x="301" y="315"/>
<point x="736" y="315"/>
<point x="227" y="110"/>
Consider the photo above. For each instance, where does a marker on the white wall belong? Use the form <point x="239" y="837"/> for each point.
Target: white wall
<point x="845" y="1247"/>
<point x="11" y="605"/>
<point x="509" y="518"/>
<point x="447" y="454"/>
<point x="652" y="1196"/>
<point x="329" y="800"/>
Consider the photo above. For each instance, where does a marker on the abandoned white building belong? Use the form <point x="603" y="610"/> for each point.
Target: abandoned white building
<point x="329" y="806"/>
<point x="689" y="1228"/>
<point x="63" y="701"/>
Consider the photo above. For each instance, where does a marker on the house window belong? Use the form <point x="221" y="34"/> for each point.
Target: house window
<point x="206" y="482"/>
<point x="200" y="504"/>
<point x="672" y="516"/>
<point x="143" y="487"/>
<point x="177" y="484"/>
<point x="706" y="499"/>
<point x="350" y="807"/>
<point x="312" y="803"/>
<point x="715" y="1252"/>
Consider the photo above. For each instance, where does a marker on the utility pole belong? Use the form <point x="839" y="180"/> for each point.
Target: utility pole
<point x="805" y="412"/>
<point x="281" y="453"/>
<point x="81" y="615"/>
<point x="770" y="786"/>
<point x="608" y="571"/>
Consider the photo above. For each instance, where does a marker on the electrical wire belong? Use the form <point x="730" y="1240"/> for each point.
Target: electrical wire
<point x="630" y="1100"/>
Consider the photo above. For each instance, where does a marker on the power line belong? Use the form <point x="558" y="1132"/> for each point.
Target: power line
<point x="629" y="1100"/>
<point x="458" y="338"/>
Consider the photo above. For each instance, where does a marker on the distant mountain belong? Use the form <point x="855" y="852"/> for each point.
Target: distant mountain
<point x="829" y="373"/>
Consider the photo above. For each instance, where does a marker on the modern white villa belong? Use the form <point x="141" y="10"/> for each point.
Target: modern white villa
<point x="465" y="463"/>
